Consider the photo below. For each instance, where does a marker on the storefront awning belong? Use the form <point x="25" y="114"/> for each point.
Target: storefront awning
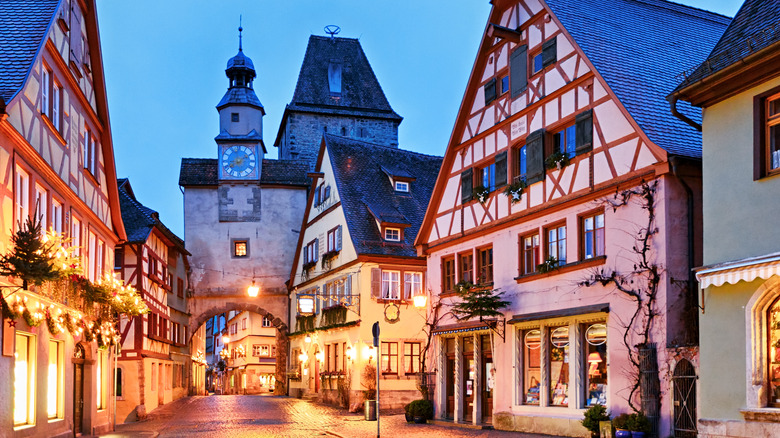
<point x="749" y="269"/>
<point x="559" y="313"/>
<point x="469" y="326"/>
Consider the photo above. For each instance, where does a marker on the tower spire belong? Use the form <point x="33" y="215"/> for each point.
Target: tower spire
<point x="240" y="29"/>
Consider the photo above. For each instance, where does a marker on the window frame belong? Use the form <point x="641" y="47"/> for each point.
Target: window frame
<point x="567" y="132"/>
<point x="461" y="257"/>
<point x="583" y="234"/>
<point x="762" y="159"/>
<point x="556" y="227"/>
<point x="21" y="196"/>
<point x="391" y="358"/>
<point x="387" y="295"/>
<point x="389" y="231"/>
<point x="448" y="277"/>
<point x="490" y="169"/>
<point x="30" y="399"/>
<point x="523" y="269"/>
<point x="479" y="265"/>
<point x="57" y="380"/>
<point x="401" y="186"/>
<point x="410" y="364"/>
<point x="234" y="246"/>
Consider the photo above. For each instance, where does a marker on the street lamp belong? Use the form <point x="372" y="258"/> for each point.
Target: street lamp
<point x="350" y="353"/>
<point x="303" y="357"/>
<point x="420" y="300"/>
<point x="307" y="339"/>
<point x="225" y="338"/>
<point x="320" y="356"/>
<point x="253" y="290"/>
<point x="369" y="352"/>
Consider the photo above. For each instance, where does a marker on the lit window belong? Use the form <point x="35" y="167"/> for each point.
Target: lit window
<point x="593" y="236"/>
<point x="265" y="350"/>
<point x="24" y="379"/>
<point x="556" y="244"/>
<point x="559" y="366"/>
<point x="773" y="316"/>
<point x="389" y="358"/>
<point x="448" y="274"/>
<point x="402" y="186"/>
<point x="54" y="389"/>
<point x="532" y="375"/>
<point x="595" y="355"/>
<point x="529" y="251"/>
<point x="306" y="305"/>
<point x="411" y="357"/>
<point x="102" y="379"/>
<point x="393" y="234"/>
<point x="240" y="248"/>
<point x="391" y="285"/>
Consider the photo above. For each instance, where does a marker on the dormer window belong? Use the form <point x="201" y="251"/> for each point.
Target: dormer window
<point x="334" y="78"/>
<point x="393" y="234"/>
<point x="402" y="186"/>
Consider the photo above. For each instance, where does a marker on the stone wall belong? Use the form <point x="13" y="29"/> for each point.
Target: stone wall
<point x="538" y="424"/>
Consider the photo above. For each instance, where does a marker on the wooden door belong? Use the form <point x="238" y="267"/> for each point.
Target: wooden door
<point x="469" y="376"/>
<point x="450" y="385"/>
<point x="488" y="383"/>
<point x="316" y="376"/>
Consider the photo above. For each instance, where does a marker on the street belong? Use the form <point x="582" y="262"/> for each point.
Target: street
<point x="272" y="416"/>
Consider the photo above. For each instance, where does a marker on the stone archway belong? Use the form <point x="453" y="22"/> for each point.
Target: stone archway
<point x="273" y="307"/>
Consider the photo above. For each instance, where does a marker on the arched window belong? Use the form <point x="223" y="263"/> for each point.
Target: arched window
<point x="773" y="355"/>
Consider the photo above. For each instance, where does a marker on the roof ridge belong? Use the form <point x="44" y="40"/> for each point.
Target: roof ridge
<point x="393" y="148"/>
<point x="678" y="7"/>
<point x="323" y="37"/>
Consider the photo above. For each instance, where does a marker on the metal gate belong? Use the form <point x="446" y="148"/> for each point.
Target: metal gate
<point x="684" y="387"/>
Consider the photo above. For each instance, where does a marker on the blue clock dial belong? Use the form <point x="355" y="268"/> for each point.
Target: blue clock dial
<point x="238" y="161"/>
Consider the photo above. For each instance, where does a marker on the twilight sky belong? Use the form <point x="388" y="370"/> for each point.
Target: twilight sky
<point x="165" y="72"/>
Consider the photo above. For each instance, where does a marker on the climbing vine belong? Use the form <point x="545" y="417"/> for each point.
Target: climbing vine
<point x="641" y="284"/>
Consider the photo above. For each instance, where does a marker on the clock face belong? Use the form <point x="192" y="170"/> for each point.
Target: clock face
<point x="238" y="161"/>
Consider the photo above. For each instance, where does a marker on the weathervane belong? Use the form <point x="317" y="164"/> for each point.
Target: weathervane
<point x="332" y="30"/>
<point x="240" y="29"/>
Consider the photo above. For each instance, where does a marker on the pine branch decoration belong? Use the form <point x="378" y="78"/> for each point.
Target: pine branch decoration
<point x="479" y="303"/>
<point x="31" y="259"/>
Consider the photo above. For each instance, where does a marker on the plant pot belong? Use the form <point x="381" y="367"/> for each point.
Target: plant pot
<point x="622" y="433"/>
<point x="370" y="410"/>
<point x="635" y="434"/>
<point x="409" y="417"/>
<point x="418" y="419"/>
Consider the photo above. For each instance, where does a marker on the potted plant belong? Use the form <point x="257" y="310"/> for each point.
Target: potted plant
<point x="408" y="413"/>
<point x="549" y="264"/>
<point x="369" y="393"/>
<point x="621" y="426"/>
<point x="638" y="424"/>
<point x="421" y="410"/>
<point x="593" y="416"/>
<point x="515" y="190"/>
<point x="557" y="160"/>
<point x="481" y="193"/>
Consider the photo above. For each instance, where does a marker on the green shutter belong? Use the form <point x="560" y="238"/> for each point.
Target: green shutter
<point x="549" y="52"/>
<point x="534" y="145"/>
<point x="490" y="91"/>
<point x="518" y="70"/>
<point x="501" y="168"/>
<point x="584" y="128"/>
<point x="466" y="185"/>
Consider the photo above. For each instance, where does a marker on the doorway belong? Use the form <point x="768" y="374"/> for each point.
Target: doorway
<point x="488" y="376"/>
<point x="469" y="378"/>
<point x="78" y="388"/>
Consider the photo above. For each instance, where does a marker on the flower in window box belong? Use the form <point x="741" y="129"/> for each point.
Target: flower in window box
<point x="481" y="193"/>
<point x="515" y="190"/>
<point x="549" y="264"/>
<point x="309" y="265"/>
<point x="557" y="160"/>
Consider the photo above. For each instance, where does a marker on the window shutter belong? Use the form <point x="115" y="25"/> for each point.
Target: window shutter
<point x="317" y="196"/>
<point x="518" y="70"/>
<point x="534" y="145"/>
<point x="466" y="185"/>
<point x="584" y="128"/>
<point x="305" y="254"/>
<point x="317" y="300"/>
<point x="376" y="282"/>
<point x="316" y="250"/>
<point x="490" y="91"/>
<point x="348" y="290"/>
<point x="549" y="52"/>
<point x="501" y="169"/>
<point x="327" y="193"/>
<point x="338" y="238"/>
<point x="407" y="286"/>
<point x="75" y="38"/>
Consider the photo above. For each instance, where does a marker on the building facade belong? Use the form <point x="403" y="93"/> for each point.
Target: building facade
<point x="250" y="354"/>
<point x="739" y="89"/>
<point x="569" y="189"/>
<point x="58" y="167"/>
<point x="355" y="265"/>
<point x="155" y="361"/>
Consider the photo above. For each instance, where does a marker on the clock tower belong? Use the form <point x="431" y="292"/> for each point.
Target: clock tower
<point x="240" y="145"/>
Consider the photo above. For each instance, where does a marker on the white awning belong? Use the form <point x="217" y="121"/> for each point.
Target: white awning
<point x="763" y="267"/>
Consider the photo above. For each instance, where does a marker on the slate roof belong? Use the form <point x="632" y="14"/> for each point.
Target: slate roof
<point x="240" y="96"/>
<point x="361" y="94"/>
<point x="204" y="172"/>
<point x="23" y="26"/>
<point x="365" y="191"/>
<point x="755" y="27"/>
<point x="640" y="47"/>
<point x="140" y="220"/>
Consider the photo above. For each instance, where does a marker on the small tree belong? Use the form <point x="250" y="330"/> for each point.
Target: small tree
<point x="31" y="259"/>
<point x="368" y="381"/>
<point x="479" y="302"/>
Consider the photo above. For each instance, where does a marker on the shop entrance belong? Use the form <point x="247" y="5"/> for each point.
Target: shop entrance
<point x="469" y="378"/>
<point x="488" y="379"/>
<point x="78" y="388"/>
<point x="450" y="385"/>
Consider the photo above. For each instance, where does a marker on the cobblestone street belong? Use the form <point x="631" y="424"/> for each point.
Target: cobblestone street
<point x="271" y="416"/>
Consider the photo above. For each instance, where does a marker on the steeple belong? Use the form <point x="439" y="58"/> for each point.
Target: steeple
<point x="240" y="72"/>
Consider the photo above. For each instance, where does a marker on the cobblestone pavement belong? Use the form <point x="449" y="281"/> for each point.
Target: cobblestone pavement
<point x="271" y="416"/>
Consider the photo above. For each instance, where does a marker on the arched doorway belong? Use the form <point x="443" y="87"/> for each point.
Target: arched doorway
<point x="684" y="388"/>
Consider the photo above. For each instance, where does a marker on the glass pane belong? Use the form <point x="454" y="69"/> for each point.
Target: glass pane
<point x="468" y="344"/>
<point x="559" y="367"/>
<point x="774" y="354"/>
<point x="523" y="165"/>
<point x="774" y="107"/>
<point x="570" y="141"/>
<point x="600" y="221"/>
<point x="53" y="381"/>
<point x="22" y="380"/>
<point x="537" y="62"/>
<point x="532" y="367"/>
<point x="588" y="224"/>
<point x="596" y="357"/>
<point x="774" y="147"/>
<point x="600" y="241"/>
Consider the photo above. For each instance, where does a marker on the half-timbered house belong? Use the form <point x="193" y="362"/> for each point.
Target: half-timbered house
<point x="569" y="187"/>
<point x="57" y="164"/>
<point x="355" y="264"/>
<point x="151" y="365"/>
<point x="250" y="354"/>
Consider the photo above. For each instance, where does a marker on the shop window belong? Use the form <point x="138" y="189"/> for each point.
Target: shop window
<point x="24" y="379"/>
<point x="391" y="285"/>
<point x="532" y="375"/>
<point x="596" y="363"/>
<point x="564" y="141"/>
<point x="556" y="244"/>
<point x="448" y="274"/>
<point x="466" y="267"/>
<point x="389" y="359"/>
<point x="411" y="357"/>
<point x="529" y="254"/>
<point x="485" y="265"/>
<point x="593" y="236"/>
<point x="559" y="366"/>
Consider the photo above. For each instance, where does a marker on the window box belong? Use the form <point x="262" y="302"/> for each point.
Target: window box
<point x="515" y="190"/>
<point x="562" y="269"/>
<point x="309" y="265"/>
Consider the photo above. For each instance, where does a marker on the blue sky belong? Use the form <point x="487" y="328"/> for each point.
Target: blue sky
<point x="165" y="59"/>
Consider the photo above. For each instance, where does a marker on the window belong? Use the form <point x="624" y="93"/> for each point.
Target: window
<point x="91" y="256"/>
<point x="504" y="84"/>
<point x="22" y="197"/>
<point x="529" y="254"/>
<point x="56" y="215"/>
<point x="265" y="350"/>
<point x="90" y="152"/>
<point x="305" y="304"/>
<point x="487" y="176"/>
<point x="771" y="123"/>
<point x="180" y="287"/>
<point x="56" y="106"/>
<point x="334" y="239"/>
<point x="24" y="379"/>
<point x="402" y="186"/>
<point x="593" y="236"/>
<point x="532" y="376"/>
<point x="311" y="252"/>
<point x="411" y="357"/>
<point x="102" y="379"/>
<point x="448" y="274"/>
<point x="41" y="202"/>
<point x="536" y="63"/>
<point x="485" y="265"/>
<point x="564" y="141"/>
<point x="233" y="117"/>
<point x="256" y="350"/>
<point x="521" y="163"/>
<point x="243" y="324"/>
<point x="773" y="355"/>
<point x="596" y="361"/>
<point x="389" y="358"/>
<point x="393" y="234"/>
<point x="321" y="194"/>
<point x="412" y="284"/>
<point x="99" y="259"/>
<point x="54" y="391"/>
<point x="240" y="248"/>
<point x="266" y="321"/>
<point x="46" y="91"/>
<point x="336" y="361"/>
<point x="490" y="91"/>
<point x="556" y="244"/>
<point x="119" y="383"/>
<point x="391" y="285"/>
<point x="466" y="267"/>
<point x="559" y="366"/>
<point x="75" y="235"/>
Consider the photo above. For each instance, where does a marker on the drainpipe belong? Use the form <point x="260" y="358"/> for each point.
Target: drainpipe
<point x="675" y="112"/>
<point x="675" y="161"/>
